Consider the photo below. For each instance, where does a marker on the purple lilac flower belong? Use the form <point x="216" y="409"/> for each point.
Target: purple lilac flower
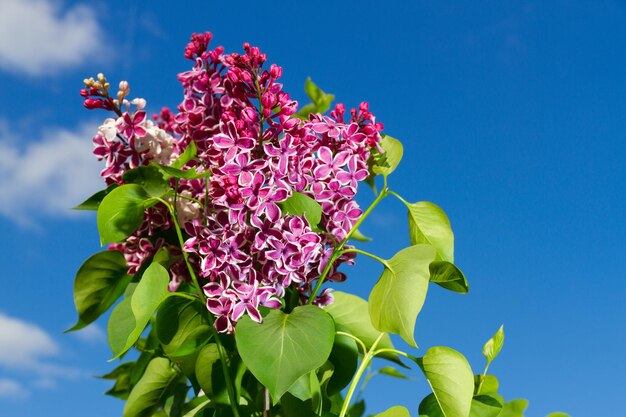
<point x="244" y="249"/>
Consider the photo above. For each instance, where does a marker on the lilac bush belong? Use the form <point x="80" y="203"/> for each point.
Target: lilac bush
<point x="225" y="219"/>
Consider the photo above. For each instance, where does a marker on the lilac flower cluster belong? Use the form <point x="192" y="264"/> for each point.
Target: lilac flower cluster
<point x="246" y="250"/>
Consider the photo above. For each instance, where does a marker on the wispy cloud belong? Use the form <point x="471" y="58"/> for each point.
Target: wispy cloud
<point x="10" y="388"/>
<point x="38" y="36"/>
<point x="28" y="350"/>
<point x="47" y="176"/>
<point x="91" y="334"/>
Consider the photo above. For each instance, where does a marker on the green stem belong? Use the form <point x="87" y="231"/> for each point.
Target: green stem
<point x="220" y="348"/>
<point x="337" y="251"/>
<point x="356" y="339"/>
<point x="397" y="352"/>
<point x="396" y="195"/>
<point x="371" y="255"/>
<point x="482" y="378"/>
<point x="184" y="295"/>
<point x="355" y="380"/>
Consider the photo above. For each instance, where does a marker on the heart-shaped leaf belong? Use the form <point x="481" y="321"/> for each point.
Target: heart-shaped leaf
<point x="399" y="294"/>
<point x="285" y="346"/>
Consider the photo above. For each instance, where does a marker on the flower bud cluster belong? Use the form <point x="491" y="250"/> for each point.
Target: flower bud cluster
<point x="247" y="250"/>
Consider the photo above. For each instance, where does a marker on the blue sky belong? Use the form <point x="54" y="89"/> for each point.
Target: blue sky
<point x="512" y="115"/>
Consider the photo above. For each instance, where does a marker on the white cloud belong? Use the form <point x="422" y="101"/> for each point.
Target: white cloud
<point x="27" y="349"/>
<point x="11" y="389"/>
<point x="22" y="344"/>
<point x="48" y="176"/>
<point x="37" y="36"/>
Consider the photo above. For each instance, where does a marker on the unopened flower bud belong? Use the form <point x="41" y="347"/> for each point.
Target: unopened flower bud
<point x="139" y="102"/>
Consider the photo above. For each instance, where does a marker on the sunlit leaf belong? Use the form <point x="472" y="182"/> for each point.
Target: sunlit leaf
<point x="393" y="372"/>
<point x="385" y="163"/>
<point x="399" y="294"/>
<point x="188" y="154"/>
<point x="490" y="384"/>
<point x="351" y="312"/>
<point x="397" y="411"/>
<point x="299" y="204"/>
<point x="451" y="379"/>
<point x="494" y="345"/>
<point x="429" y="224"/>
<point x="514" y="408"/>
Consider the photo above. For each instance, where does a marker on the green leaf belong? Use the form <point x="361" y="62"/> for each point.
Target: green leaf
<point x="285" y="346"/>
<point x="150" y="178"/>
<point x="429" y="407"/>
<point x="320" y="100"/>
<point x="189" y="174"/>
<point x="397" y="411"/>
<point x="514" y="408"/>
<point x="393" y="372"/>
<point x="93" y="202"/>
<point x="151" y="389"/>
<point x="121" y="324"/>
<point x="357" y="409"/>
<point x="482" y="406"/>
<point x="385" y="163"/>
<point x="182" y="326"/>
<point x="299" y="204"/>
<point x="451" y="379"/>
<point x="429" y="224"/>
<point x="360" y="237"/>
<point x="150" y="292"/>
<point x="121" y="212"/>
<point x="196" y="411"/>
<point x="448" y="276"/>
<point x="344" y="358"/>
<point x="486" y="405"/>
<point x="122" y="377"/>
<point x="186" y="156"/>
<point x="351" y="312"/>
<point x="494" y="345"/>
<point x="490" y="384"/>
<point x="100" y="281"/>
<point x="207" y="357"/>
<point x="558" y="414"/>
<point x="399" y="294"/>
